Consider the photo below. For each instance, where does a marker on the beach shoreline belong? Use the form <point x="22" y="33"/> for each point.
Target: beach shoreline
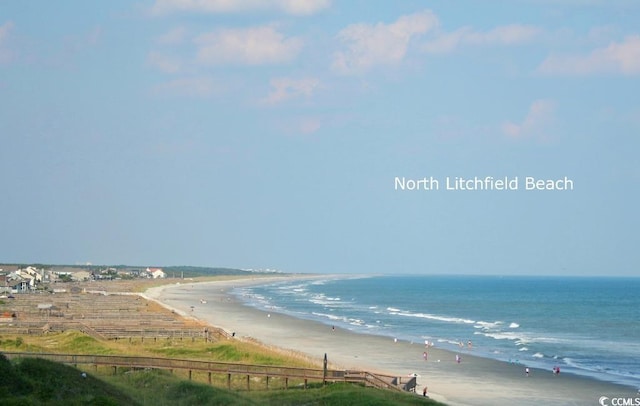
<point x="473" y="381"/>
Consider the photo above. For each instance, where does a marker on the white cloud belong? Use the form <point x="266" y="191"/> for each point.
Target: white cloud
<point x="294" y="7"/>
<point x="164" y="63"/>
<point x="4" y="30"/>
<point x="5" y="53"/>
<point x="173" y="37"/>
<point x="286" y="88"/>
<point x="199" y="86"/>
<point x="503" y="35"/>
<point x="302" y="7"/>
<point x="535" y="124"/>
<point x="618" y="57"/>
<point x="380" y="44"/>
<point x="251" y="46"/>
<point x="309" y="125"/>
<point x="298" y="126"/>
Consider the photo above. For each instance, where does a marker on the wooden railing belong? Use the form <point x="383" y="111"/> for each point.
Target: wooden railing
<point x="213" y="367"/>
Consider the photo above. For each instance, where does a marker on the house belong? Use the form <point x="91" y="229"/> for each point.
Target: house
<point x="5" y="284"/>
<point x="13" y="284"/>
<point x="156" y="273"/>
<point x="81" y="276"/>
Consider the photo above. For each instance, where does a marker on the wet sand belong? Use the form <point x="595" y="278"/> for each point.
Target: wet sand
<point x="473" y="381"/>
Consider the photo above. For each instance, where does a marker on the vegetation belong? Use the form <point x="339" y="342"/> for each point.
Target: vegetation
<point x="74" y="342"/>
<point x="40" y="382"/>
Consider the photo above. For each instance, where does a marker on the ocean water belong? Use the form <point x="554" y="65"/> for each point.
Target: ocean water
<point x="587" y="326"/>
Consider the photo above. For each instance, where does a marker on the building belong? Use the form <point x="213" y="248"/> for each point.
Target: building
<point x="156" y="273"/>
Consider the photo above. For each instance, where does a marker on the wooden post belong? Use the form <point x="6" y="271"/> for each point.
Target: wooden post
<point x="115" y="370"/>
<point x="267" y="382"/>
<point x="324" y="370"/>
<point x="248" y="381"/>
<point x="228" y="381"/>
<point x="286" y="382"/>
<point x="209" y="377"/>
<point x="189" y="374"/>
<point x="305" y="383"/>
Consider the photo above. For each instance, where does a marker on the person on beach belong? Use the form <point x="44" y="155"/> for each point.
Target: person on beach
<point x="526" y="371"/>
<point x="458" y="358"/>
<point x="424" y="392"/>
<point x="425" y="355"/>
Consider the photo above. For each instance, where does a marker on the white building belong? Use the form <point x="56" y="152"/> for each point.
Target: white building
<point x="156" y="273"/>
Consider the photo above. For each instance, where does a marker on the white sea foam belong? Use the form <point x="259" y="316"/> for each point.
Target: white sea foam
<point x="501" y="335"/>
<point x="403" y="313"/>
<point x="528" y="338"/>
<point x="323" y="300"/>
<point x="486" y="325"/>
<point x="330" y="316"/>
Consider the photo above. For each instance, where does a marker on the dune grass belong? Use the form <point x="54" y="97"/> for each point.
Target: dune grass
<point x="40" y="382"/>
<point x="75" y="342"/>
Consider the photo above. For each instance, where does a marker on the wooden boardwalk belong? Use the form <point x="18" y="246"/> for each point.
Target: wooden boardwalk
<point x="247" y="372"/>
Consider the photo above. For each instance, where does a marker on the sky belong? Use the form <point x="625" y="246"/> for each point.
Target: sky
<point x="273" y="134"/>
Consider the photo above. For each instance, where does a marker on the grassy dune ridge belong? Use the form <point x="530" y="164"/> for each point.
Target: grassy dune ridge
<point x="39" y="382"/>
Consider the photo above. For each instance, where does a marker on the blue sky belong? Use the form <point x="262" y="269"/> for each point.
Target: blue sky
<point x="268" y="134"/>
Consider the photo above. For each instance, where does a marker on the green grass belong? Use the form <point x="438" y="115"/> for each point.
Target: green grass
<point x="153" y="387"/>
<point x="40" y="382"/>
<point x="75" y="342"/>
<point x="339" y="394"/>
<point x="221" y="352"/>
<point x="71" y="341"/>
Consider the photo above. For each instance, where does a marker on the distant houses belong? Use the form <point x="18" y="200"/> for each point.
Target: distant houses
<point x="23" y="279"/>
<point x="156" y="273"/>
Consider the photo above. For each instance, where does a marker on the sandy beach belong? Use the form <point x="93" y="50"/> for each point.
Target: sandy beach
<point x="473" y="381"/>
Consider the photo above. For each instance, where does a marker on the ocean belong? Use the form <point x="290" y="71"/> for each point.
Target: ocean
<point x="584" y="325"/>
